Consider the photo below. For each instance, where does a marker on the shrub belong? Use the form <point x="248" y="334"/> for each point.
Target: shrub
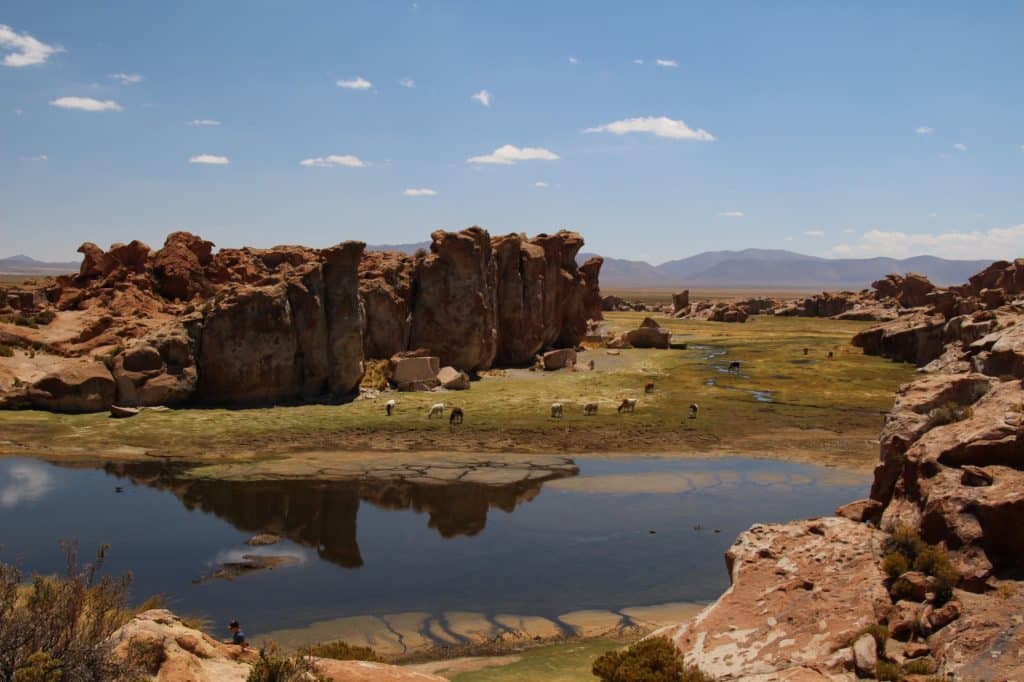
<point x="880" y="633"/>
<point x="884" y="670"/>
<point x="45" y="317"/>
<point x="948" y="413"/>
<point x="931" y="560"/>
<point x="907" y="550"/>
<point x="57" y="627"/>
<point x="341" y="651"/>
<point x="895" y="564"/>
<point x="147" y="655"/>
<point x="420" y="253"/>
<point x="920" y="666"/>
<point x="26" y="321"/>
<point x="376" y="375"/>
<point x="649" y="660"/>
<point x="6" y="351"/>
<point x="274" y="666"/>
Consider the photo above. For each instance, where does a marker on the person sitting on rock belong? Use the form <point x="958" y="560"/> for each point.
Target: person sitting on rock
<point x="237" y="636"/>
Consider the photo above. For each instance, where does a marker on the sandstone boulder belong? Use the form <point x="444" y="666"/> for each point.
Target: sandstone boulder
<point x="416" y="373"/>
<point x="559" y="359"/>
<point x="179" y="267"/>
<point x="681" y="300"/>
<point x="916" y="338"/>
<point x="72" y="385"/>
<point x="453" y="379"/>
<point x="862" y="511"/>
<point x="648" y="335"/>
<point x="865" y="655"/>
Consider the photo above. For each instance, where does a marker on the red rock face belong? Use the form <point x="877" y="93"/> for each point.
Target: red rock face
<point x="258" y="326"/>
<point x="385" y="284"/>
<point x="521" y="269"/>
<point x="179" y="267"/>
<point x="454" y="311"/>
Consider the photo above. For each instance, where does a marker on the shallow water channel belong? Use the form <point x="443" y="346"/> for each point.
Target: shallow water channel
<point x="619" y="533"/>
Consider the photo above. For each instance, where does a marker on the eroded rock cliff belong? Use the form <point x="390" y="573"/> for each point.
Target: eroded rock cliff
<point x="249" y="326"/>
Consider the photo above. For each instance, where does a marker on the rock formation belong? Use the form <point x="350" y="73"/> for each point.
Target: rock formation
<point x="951" y="471"/>
<point x="185" y="325"/>
<point x="171" y="651"/>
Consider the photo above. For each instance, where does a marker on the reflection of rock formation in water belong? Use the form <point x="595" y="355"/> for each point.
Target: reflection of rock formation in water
<point x="322" y="514"/>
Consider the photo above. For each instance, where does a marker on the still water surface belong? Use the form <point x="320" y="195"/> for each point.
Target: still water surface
<point x="372" y="547"/>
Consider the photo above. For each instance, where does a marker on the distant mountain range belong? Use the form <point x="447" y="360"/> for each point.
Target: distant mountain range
<point x="747" y="269"/>
<point x="764" y="268"/>
<point x="24" y="265"/>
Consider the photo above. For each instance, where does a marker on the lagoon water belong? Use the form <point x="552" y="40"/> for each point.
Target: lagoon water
<point x="620" y="533"/>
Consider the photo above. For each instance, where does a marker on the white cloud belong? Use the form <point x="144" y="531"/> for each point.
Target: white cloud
<point x="27" y="483"/>
<point x="924" y="130"/>
<point x="1022" y="147"/>
<point x="419" y="192"/>
<point x="209" y="160"/>
<point x="24" y="49"/>
<point x="86" y="104"/>
<point x="731" y="214"/>
<point x="127" y="78"/>
<point x="996" y="243"/>
<point x="37" y="157"/>
<point x="849" y="230"/>
<point x="574" y="60"/>
<point x="508" y="154"/>
<point x="358" y="83"/>
<point x="668" y="63"/>
<point x="638" y="61"/>
<point x="407" y="83"/>
<point x="483" y="97"/>
<point x="204" y="122"/>
<point x="541" y="184"/>
<point x="662" y="126"/>
<point x="333" y="160"/>
<point x="960" y="147"/>
<point x="814" y="233"/>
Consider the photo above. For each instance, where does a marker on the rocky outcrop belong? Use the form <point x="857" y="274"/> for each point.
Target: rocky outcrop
<point x="386" y="284"/>
<point x="648" y="335"/>
<point x="787" y="581"/>
<point x="261" y="326"/>
<point x="951" y="471"/>
<point x="180" y="266"/>
<point x="454" y="311"/>
<point x="521" y="273"/>
<point x="57" y="384"/>
<point x="681" y="302"/>
<point x="947" y="438"/>
<point x="165" y="649"/>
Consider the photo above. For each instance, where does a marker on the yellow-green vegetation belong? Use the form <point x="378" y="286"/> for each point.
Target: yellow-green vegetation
<point x="56" y="628"/>
<point x="886" y="670"/>
<point x="949" y="413"/>
<point x="566" y="662"/>
<point x="274" y="665"/>
<point x="907" y="551"/>
<point x="341" y="651"/>
<point x="782" y="403"/>
<point x="6" y="351"/>
<point x="655" y="659"/>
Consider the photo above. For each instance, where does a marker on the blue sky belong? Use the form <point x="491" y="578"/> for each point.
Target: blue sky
<point x="836" y="129"/>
